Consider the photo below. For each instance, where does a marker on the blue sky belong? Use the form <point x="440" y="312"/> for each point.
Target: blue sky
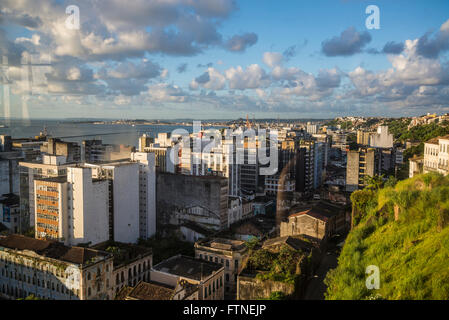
<point x="223" y="59"/>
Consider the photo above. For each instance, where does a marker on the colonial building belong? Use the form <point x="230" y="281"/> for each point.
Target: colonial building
<point x="436" y="157"/>
<point x="229" y="253"/>
<point x="208" y="276"/>
<point x="319" y="221"/>
<point x="51" y="270"/>
<point x="132" y="264"/>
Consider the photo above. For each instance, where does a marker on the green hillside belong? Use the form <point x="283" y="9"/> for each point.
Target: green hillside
<point x="412" y="253"/>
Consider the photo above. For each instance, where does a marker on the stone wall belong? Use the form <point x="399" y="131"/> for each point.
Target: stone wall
<point x="250" y="288"/>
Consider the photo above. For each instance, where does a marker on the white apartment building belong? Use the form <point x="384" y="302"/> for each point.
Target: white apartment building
<point x="124" y="217"/>
<point x="147" y="193"/>
<point x="88" y="207"/>
<point x="381" y="139"/>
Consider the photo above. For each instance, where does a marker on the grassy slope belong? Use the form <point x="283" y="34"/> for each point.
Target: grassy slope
<point x="412" y="254"/>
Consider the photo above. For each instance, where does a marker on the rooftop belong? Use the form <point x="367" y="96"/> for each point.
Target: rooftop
<point x="296" y="243"/>
<point x="10" y="199"/>
<point x="123" y="252"/>
<point x="151" y="291"/>
<point x="322" y="210"/>
<point x="59" y="179"/>
<point x="223" y="244"/>
<point x="188" y="267"/>
<point x="51" y="249"/>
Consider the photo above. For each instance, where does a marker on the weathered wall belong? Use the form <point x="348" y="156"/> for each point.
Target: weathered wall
<point x="249" y="288"/>
<point x="176" y="191"/>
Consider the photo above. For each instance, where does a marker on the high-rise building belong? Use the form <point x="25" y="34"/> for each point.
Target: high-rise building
<point x="50" y="166"/>
<point x="123" y="181"/>
<point x="147" y="193"/>
<point x="382" y="139"/>
<point x="360" y="164"/>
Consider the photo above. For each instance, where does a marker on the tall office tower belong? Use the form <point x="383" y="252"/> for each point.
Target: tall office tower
<point x="144" y="142"/>
<point x="249" y="169"/>
<point x="305" y="167"/>
<point x="147" y="193"/>
<point x="123" y="178"/>
<point x="51" y="166"/>
<point x="360" y="164"/>
<point x="319" y="169"/>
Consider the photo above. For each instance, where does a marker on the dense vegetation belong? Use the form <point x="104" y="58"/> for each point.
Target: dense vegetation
<point x="412" y="253"/>
<point x="283" y="266"/>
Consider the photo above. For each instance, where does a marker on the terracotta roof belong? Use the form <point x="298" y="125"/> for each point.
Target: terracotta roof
<point x="123" y="293"/>
<point x="51" y="249"/>
<point x="151" y="291"/>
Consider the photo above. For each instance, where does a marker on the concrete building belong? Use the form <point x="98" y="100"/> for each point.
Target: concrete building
<point x="10" y="212"/>
<point x="382" y="139"/>
<point x="276" y="183"/>
<point x="50" y="166"/>
<point x="208" y="276"/>
<point x="56" y="147"/>
<point x="199" y="199"/>
<point x="145" y="141"/>
<point x="360" y="164"/>
<point x="364" y="137"/>
<point x="51" y="270"/>
<point x="229" y="253"/>
<point x="124" y="206"/>
<point x="319" y="221"/>
<point x="147" y="193"/>
<point x="165" y="158"/>
<point x="51" y="220"/>
<point x="305" y="171"/>
<point x="93" y="151"/>
<point x="88" y="207"/>
<point x="312" y="128"/>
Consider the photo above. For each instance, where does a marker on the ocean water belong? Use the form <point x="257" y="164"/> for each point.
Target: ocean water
<point x="77" y="132"/>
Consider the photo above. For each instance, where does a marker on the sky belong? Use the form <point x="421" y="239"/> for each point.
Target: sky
<point x="222" y="59"/>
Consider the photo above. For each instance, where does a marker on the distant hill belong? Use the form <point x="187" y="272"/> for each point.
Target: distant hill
<point x="412" y="252"/>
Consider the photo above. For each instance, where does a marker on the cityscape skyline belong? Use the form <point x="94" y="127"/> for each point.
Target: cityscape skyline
<point x="225" y="59"/>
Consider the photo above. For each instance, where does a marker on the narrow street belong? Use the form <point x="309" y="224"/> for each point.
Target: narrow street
<point x="316" y="287"/>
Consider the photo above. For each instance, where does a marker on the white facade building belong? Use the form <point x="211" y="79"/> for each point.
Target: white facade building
<point x="147" y="193"/>
<point x="88" y="207"/>
<point x="382" y="139"/>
